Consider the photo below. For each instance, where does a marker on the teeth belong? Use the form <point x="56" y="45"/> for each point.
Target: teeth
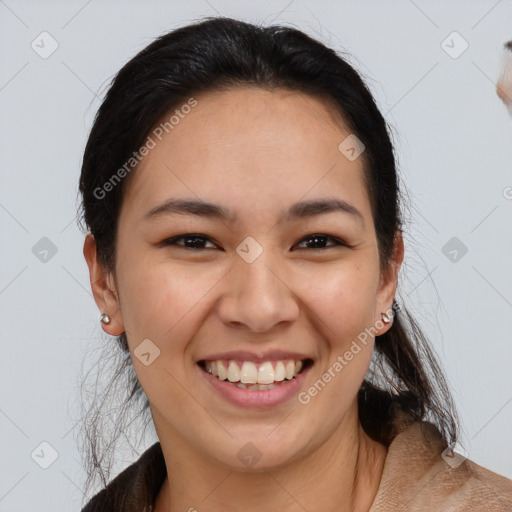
<point x="249" y="373"/>
<point x="252" y="375"/>
<point x="289" y="370"/>
<point x="280" y="372"/>
<point x="266" y="373"/>
<point x="233" y="372"/>
<point x="222" y="373"/>
<point x="255" y="387"/>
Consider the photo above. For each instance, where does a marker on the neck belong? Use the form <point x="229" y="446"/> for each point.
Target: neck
<point x="341" y="475"/>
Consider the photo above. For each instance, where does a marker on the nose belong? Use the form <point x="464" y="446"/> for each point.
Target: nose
<point x="256" y="296"/>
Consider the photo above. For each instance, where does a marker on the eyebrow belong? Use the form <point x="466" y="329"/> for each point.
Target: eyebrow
<point x="299" y="210"/>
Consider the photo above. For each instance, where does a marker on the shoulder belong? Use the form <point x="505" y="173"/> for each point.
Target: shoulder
<point x="419" y="475"/>
<point x="135" y="488"/>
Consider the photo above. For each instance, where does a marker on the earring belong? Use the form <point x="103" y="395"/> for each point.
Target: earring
<point x="104" y="319"/>
<point x="385" y="318"/>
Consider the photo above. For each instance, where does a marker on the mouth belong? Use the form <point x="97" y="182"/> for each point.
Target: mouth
<point x="251" y="376"/>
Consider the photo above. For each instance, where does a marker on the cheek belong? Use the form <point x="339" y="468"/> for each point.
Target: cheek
<point x="342" y="306"/>
<point x="344" y="300"/>
<point x="160" y="300"/>
<point x="165" y="304"/>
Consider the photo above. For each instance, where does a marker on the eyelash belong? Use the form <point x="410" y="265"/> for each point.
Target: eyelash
<point x="188" y="236"/>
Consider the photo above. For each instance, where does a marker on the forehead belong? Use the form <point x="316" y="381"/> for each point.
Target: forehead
<point x="249" y="146"/>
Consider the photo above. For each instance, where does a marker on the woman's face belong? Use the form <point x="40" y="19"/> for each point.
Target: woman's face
<point x="256" y="285"/>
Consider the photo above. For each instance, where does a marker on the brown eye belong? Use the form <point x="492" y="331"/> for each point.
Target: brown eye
<point x="190" y="241"/>
<point x="318" y="241"/>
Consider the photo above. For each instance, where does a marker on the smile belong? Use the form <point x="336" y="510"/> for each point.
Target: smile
<point x="264" y="384"/>
<point x="247" y="372"/>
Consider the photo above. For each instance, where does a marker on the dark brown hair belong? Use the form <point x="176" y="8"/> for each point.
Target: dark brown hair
<point x="404" y="378"/>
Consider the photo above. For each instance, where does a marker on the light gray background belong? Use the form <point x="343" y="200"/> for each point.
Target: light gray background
<point x="453" y="140"/>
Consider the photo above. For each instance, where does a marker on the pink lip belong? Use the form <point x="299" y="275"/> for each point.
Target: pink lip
<point x="261" y="357"/>
<point x="257" y="399"/>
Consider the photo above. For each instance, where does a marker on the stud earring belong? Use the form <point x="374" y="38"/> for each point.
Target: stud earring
<point x="385" y="318"/>
<point x="105" y="319"/>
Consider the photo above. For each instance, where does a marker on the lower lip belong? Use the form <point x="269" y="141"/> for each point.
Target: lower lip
<point x="257" y="399"/>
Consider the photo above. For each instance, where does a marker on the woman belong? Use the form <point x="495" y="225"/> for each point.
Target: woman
<point x="240" y="190"/>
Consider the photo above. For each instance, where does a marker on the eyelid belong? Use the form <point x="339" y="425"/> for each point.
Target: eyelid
<point x="339" y="242"/>
<point x="172" y="241"/>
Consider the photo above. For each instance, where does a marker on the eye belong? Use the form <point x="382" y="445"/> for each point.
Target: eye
<point x="198" y="242"/>
<point x="190" y="241"/>
<point x="318" y="241"/>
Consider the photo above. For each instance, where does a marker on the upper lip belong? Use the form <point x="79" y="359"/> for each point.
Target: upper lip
<point x="260" y="357"/>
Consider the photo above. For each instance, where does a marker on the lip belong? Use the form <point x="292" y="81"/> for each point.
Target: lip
<point x="260" y="357"/>
<point x="256" y="399"/>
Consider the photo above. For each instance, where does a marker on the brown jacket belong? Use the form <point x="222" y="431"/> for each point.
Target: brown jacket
<point x="416" y="477"/>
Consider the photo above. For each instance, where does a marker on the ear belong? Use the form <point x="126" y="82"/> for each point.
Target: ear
<point x="103" y="288"/>
<point x="388" y="284"/>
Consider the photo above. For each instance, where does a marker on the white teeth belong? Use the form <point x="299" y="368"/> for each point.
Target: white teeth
<point x="252" y="375"/>
<point x="249" y="373"/>
<point x="290" y="369"/>
<point x="280" y="372"/>
<point x="222" y="373"/>
<point x="255" y="387"/>
<point x="233" y="372"/>
<point x="266" y="373"/>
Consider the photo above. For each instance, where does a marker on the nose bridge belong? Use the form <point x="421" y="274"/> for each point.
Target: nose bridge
<point x="257" y="294"/>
